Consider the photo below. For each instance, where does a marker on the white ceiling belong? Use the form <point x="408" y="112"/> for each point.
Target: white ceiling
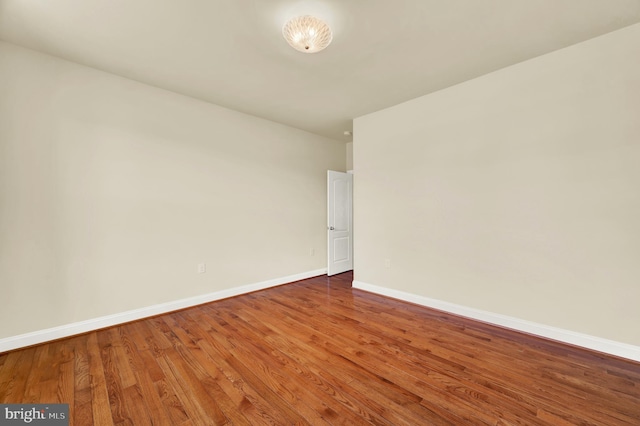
<point x="231" y="52"/>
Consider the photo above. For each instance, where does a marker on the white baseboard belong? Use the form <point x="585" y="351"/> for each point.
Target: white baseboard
<point x="623" y="350"/>
<point x="41" y="336"/>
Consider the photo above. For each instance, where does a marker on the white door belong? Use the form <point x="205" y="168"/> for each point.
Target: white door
<point x="339" y="222"/>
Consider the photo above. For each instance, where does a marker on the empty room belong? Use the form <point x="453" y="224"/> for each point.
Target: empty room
<point x="320" y="212"/>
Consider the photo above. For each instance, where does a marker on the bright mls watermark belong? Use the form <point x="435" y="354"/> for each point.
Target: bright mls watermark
<point x="36" y="414"/>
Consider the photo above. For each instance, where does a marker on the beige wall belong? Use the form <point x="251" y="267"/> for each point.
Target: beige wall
<point x="349" y="148"/>
<point x="111" y="192"/>
<point x="517" y="193"/>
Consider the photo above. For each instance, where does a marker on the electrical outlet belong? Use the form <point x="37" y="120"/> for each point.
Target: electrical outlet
<point x="312" y="252"/>
<point x="387" y="263"/>
<point x="202" y="268"/>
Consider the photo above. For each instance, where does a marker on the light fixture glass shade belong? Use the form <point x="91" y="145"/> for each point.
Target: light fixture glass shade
<point x="307" y="34"/>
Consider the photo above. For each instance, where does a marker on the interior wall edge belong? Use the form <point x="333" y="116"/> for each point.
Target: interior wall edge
<point x="54" y="333"/>
<point x="586" y="341"/>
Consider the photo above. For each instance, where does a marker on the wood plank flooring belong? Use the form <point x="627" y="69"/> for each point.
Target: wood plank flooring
<point x="318" y="352"/>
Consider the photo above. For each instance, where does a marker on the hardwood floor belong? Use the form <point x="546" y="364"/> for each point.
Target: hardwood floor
<point x="318" y="352"/>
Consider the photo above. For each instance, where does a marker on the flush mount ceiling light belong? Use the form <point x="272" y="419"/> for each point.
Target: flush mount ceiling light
<point x="307" y="34"/>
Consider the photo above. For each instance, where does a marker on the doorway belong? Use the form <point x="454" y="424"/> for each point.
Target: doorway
<point x="339" y="222"/>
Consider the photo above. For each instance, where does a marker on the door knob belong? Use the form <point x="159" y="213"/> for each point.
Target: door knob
<point x="331" y="228"/>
